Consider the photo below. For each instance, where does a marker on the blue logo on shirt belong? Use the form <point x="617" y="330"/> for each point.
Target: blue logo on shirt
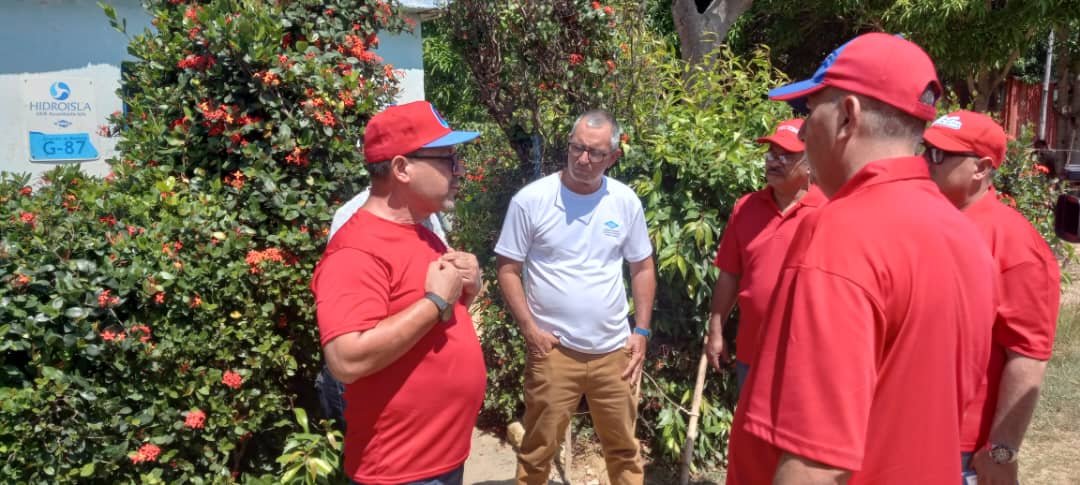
<point x="611" y="228"/>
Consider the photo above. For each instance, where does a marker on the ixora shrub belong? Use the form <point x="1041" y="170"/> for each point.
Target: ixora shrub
<point x="157" y="325"/>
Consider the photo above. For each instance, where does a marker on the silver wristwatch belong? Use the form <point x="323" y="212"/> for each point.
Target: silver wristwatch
<point x="1003" y="454"/>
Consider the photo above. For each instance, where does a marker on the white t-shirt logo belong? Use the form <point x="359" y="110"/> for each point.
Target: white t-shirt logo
<point x="611" y="228"/>
<point x="952" y="122"/>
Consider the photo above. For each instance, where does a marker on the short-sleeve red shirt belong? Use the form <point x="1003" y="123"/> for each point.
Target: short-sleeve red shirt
<point x="878" y="338"/>
<point x="413" y="419"/>
<point x="1028" y="297"/>
<point x="755" y="240"/>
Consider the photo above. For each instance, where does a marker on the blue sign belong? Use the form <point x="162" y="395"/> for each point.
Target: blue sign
<point x="45" y="147"/>
<point x="59" y="90"/>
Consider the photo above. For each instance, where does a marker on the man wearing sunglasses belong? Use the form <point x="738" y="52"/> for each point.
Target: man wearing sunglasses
<point x="963" y="150"/>
<point x="754" y="243"/>
<point x="560" y="268"/>
<point x="392" y="304"/>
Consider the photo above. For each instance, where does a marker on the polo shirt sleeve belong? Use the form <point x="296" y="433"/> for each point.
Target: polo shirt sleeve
<point x="637" y="245"/>
<point x="352" y="293"/>
<point x="728" y="257"/>
<point x="516" y="235"/>
<point x="818" y="364"/>
<point x="1028" y="309"/>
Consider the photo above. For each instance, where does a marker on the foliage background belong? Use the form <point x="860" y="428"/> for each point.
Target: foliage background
<point x="157" y="325"/>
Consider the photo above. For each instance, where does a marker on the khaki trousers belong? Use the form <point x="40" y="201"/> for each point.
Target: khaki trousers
<point x="554" y="385"/>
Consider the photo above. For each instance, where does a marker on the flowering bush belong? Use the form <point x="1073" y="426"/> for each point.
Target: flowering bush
<point x="1027" y="186"/>
<point x="157" y="325"/>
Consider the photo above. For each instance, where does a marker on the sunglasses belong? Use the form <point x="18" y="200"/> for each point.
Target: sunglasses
<point x="453" y="160"/>
<point x="937" y="156"/>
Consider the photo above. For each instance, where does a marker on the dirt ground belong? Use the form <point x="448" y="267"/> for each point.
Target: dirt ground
<point x="1050" y="454"/>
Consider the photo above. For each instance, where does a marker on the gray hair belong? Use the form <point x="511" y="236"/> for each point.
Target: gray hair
<point x="886" y="121"/>
<point x="597" y="118"/>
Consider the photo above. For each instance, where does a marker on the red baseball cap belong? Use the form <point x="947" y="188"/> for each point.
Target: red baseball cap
<point x="786" y="136"/>
<point x="884" y="67"/>
<point x="968" y="131"/>
<point x="405" y="128"/>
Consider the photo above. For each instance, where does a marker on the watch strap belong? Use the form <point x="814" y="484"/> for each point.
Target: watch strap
<point x="1002" y="453"/>
<point x="441" y="305"/>
<point x="643" y="332"/>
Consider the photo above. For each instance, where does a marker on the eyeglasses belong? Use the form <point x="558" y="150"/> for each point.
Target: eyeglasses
<point x="594" y="155"/>
<point x="452" y="160"/>
<point x="937" y="156"/>
<point x="787" y="158"/>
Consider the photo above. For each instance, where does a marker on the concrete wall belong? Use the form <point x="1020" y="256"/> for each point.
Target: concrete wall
<point x="52" y="40"/>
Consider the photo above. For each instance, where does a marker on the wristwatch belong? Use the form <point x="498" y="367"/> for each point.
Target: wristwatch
<point x="445" y="309"/>
<point x="644" y="332"/>
<point x="1003" y="454"/>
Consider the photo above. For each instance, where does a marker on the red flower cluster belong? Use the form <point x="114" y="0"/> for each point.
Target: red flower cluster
<point x="232" y="379"/>
<point x="193" y="33"/>
<point x="192" y="13"/>
<point x="255" y="258"/>
<point x="144" y="330"/>
<point x="29" y="218"/>
<point x="235" y="180"/>
<point x="358" y="48"/>
<point x="610" y="65"/>
<point x="109" y="336"/>
<point x="159" y="297"/>
<point x="21" y="280"/>
<point x="71" y="203"/>
<point x="268" y="78"/>
<point x="1007" y="199"/>
<point x="195" y="419"/>
<point x="216" y="117"/>
<point x="147" y="452"/>
<point x="110" y="220"/>
<point x="196" y="301"/>
<point x="1042" y="169"/>
<point x="181" y="123"/>
<point x="576" y="59"/>
<point x="197" y="62"/>
<point x="105" y="299"/>
<point x="326" y="118"/>
<point x="346" y="97"/>
<point x="26" y="191"/>
<point x="297" y="157"/>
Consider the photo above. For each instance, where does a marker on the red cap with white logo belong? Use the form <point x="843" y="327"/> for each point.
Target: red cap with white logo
<point x="786" y="136"/>
<point x="967" y="131"/>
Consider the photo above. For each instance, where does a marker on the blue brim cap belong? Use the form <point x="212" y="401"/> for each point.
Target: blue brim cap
<point x="453" y="138"/>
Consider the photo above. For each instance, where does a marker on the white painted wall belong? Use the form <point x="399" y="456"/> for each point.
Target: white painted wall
<point x="72" y="39"/>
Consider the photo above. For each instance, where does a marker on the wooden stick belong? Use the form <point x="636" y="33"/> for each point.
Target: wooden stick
<point x="692" y="429"/>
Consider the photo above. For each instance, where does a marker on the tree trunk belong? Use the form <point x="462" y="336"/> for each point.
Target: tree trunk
<point x="700" y="33"/>
<point x="1067" y="104"/>
<point x="988" y="83"/>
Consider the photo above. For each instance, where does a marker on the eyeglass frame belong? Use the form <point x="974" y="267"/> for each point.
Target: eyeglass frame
<point x="937" y="156"/>
<point x="789" y="158"/>
<point x="454" y="159"/>
<point x="593" y="154"/>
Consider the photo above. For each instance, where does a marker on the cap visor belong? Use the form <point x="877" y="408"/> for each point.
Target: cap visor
<point x="786" y="144"/>
<point x="453" y="138"/>
<point x="938" y="139"/>
<point x="795" y="90"/>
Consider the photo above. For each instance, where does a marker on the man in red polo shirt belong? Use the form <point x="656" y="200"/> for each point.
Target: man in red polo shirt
<point x="964" y="149"/>
<point x="392" y="305"/>
<point x="755" y="240"/>
<point x="880" y="330"/>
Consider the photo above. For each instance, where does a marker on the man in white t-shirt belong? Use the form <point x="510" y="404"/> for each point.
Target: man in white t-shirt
<point x="569" y="233"/>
